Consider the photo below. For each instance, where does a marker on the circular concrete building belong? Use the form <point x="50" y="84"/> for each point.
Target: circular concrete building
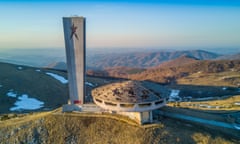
<point x="128" y="96"/>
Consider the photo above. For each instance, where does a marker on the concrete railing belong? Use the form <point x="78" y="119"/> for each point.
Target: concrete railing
<point x="130" y="107"/>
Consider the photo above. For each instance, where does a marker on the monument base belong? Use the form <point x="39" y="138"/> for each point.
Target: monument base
<point x="71" y="107"/>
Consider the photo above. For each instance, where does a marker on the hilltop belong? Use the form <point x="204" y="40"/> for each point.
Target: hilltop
<point x="183" y="60"/>
<point x="54" y="127"/>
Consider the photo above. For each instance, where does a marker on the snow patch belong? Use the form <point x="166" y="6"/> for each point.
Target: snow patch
<point x="38" y="70"/>
<point x="26" y="103"/>
<point x="20" y="68"/>
<point x="224" y="88"/>
<point x="89" y="84"/>
<point x="174" y="96"/>
<point x="11" y="94"/>
<point x="236" y="126"/>
<point x="58" y="77"/>
<point x="174" y="93"/>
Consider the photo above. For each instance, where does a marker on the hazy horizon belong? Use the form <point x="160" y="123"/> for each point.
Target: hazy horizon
<point x="42" y="57"/>
<point x="123" y="24"/>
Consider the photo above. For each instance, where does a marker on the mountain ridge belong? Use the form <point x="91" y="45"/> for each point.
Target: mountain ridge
<point x="171" y="73"/>
<point x="185" y="59"/>
<point x="144" y="59"/>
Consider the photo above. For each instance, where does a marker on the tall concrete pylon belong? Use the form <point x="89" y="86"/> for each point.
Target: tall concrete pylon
<point x="75" y="46"/>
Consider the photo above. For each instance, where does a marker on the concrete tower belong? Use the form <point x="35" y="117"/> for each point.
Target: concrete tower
<point x="74" y="35"/>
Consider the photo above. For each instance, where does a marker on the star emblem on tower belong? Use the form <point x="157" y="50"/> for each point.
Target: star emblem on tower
<point x="74" y="28"/>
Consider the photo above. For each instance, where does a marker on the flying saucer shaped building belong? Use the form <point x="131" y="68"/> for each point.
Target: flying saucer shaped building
<point x="133" y="98"/>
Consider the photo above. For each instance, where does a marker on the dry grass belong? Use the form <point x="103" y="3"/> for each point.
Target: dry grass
<point x="229" y="78"/>
<point x="48" y="128"/>
<point x="227" y="104"/>
<point x="201" y="138"/>
<point x="23" y="119"/>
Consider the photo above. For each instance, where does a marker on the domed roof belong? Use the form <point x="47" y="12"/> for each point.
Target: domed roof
<point x="126" y="92"/>
<point x="130" y="96"/>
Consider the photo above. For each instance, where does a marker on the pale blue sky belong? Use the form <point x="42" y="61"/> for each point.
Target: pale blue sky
<point x="153" y="24"/>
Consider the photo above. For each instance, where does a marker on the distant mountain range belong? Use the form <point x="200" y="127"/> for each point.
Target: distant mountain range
<point x="230" y="57"/>
<point x="171" y="70"/>
<point x="144" y="59"/>
<point x="140" y="60"/>
<point x="186" y="59"/>
<point x="100" y="59"/>
<point x="158" y="66"/>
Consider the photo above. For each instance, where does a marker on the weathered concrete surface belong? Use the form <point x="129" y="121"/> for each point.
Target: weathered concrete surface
<point x="74" y="34"/>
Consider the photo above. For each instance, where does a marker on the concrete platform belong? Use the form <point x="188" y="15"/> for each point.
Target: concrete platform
<point x="71" y="107"/>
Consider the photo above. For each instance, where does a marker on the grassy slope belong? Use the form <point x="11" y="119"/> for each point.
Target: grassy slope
<point x="228" y="78"/>
<point x="223" y="104"/>
<point x="46" y="128"/>
<point x="37" y="85"/>
<point x="174" y="73"/>
<point x="28" y="81"/>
